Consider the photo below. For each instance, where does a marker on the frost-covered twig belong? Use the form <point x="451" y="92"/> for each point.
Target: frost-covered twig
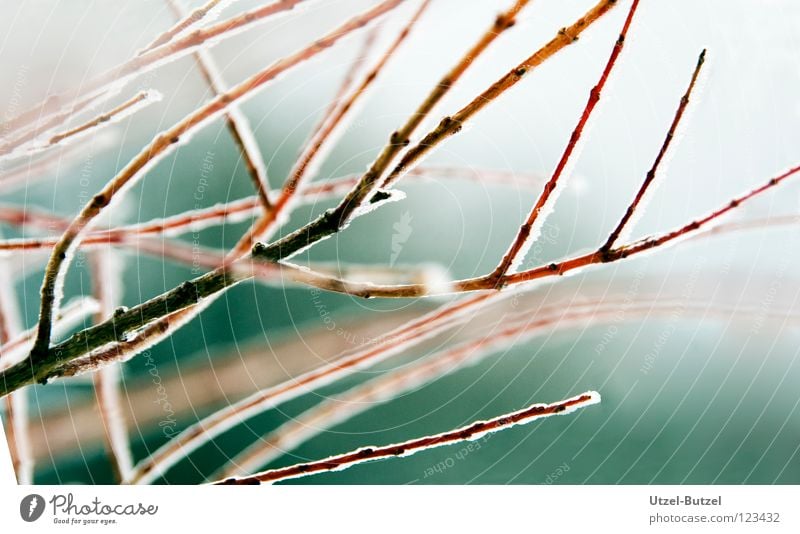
<point x="65" y="104"/>
<point x="529" y="231"/>
<point x="163" y="144"/>
<point x="651" y="174"/>
<point x="332" y="221"/>
<point x="451" y="125"/>
<point x="407" y="448"/>
<point x="116" y="114"/>
<point x="186" y="21"/>
<point x="305" y="166"/>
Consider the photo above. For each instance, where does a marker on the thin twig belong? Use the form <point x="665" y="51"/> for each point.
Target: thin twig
<point x="107" y="288"/>
<point x="305" y="166"/>
<point x="127" y="108"/>
<point x="407" y="448"/>
<point x="651" y="174"/>
<point x="186" y="21"/>
<point x="163" y="144"/>
<point x="530" y="229"/>
<point x="451" y="125"/>
<point x="64" y="104"/>
<point x="47" y="123"/>
<point x="332" y="221"/>
<point x="238" y="125"/>
<point x="399" y="339"/>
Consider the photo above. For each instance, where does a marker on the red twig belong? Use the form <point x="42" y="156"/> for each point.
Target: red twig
<point x="651" y="174"/>
<point x="407" y="448"/>
<point x="303" y="168"/>
<point x="527" y="232"/>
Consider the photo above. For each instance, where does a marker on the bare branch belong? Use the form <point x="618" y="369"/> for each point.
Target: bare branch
<point x="334" y="220"/>
<point x="304" y="168"/>
<point x="65" y="105"/>
<point x="107" y="288"/>
<point x="529" y="231"/>
<point x="407" y="448"/>
<point x="186" y="21"/>
<point x="157" y="149"/>
<point x="651" y="174"/>
<point x="237" y="123"/>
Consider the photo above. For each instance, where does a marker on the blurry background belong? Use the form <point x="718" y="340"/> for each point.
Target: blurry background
<point x="690" y="397"/>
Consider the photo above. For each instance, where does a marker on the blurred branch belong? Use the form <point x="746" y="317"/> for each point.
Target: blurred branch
<point x="107" y="288"/>
<point x="64" y="104"/>
<point x="16" y="404"/>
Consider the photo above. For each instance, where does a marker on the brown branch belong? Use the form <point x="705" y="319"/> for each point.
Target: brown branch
<point x="119" y="112"/>
<point x="651" y="174"/>
<point x="71" y="315"/>
<point x="163" y="144"/>
<point x="185" y="21"/>
<point x="236" y="210"/>
<point x="238" y="125"/>
<point x="301" y="171"/>
<point x="334" y="220"/>
<point x="407" y="448"/>
<point x="450" y="126"/>
<point x="48" y="123"/>
<point x="529" y="232"/>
